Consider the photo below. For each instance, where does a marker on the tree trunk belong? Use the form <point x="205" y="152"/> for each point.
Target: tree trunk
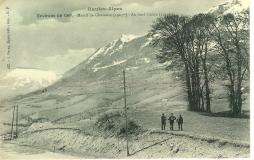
<point x="189" y="90"/>
<point x="202" y="101"/>
<point x="206" y="78"/>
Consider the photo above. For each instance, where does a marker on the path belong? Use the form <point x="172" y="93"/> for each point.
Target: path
<point x="13" y="151"/>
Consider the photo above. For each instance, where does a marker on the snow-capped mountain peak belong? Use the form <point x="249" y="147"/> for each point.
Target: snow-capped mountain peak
<point x="127" y="38"/>
<point x="231" y="6"/>
<point x="31" y="75"/>
<point x="114" y="46"/>
<point x="21" y="81"/>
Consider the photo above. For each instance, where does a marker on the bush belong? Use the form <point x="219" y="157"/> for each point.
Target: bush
<point x="113" y="123"/>
<point x="133" y="128"/>
<point x="106" y="118"/>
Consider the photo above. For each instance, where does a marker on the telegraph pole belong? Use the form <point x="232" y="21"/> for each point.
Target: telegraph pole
<point x="13" y="115"/>
<point x="17" y="116"/>
<point x="126" y="118"/>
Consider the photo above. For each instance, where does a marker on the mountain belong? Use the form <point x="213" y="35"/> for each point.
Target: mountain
<point x="95" y="86"/>
<point x="231" y="6"/>
<point x="21" y="81"/>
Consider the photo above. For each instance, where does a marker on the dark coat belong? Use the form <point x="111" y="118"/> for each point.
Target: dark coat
<point x="172" y="119"/>
<point x="163" y="119"/>
<point x="180" y="119"/>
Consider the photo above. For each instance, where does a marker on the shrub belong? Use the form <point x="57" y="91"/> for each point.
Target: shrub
<point x="133" y="128"/>
<point x="113" y="123"/>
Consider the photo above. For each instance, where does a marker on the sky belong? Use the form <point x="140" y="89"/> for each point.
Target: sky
<point x="58" y="44"/>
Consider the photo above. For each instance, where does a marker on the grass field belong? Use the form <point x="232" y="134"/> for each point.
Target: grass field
<point x="198" y="124"/>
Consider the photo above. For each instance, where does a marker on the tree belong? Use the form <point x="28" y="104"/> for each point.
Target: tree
<point x="185" y="40"/>
<point x="192" y="44"/>
<point x="201" y="43"/>
<point x="231" y="34"/>
<point x="168" y="33"/>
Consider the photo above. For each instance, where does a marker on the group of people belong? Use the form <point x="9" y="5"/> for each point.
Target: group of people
<point x="171" y="120"/>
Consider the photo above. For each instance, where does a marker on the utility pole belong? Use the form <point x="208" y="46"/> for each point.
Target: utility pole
<point x="126" y="118"/>
<point x="17" y="116"/>
<point x="13" y="115"/>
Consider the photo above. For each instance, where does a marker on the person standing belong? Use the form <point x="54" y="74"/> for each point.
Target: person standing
<point x="163" y="122"/>
<point x="172" y="119"/>
<point x="180" y="122"/>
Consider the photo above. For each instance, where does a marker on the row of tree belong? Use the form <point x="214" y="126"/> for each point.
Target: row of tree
<point x="206" y="47"/>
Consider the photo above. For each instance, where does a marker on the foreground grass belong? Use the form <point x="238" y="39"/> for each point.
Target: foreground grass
<point x="199" y="124"/>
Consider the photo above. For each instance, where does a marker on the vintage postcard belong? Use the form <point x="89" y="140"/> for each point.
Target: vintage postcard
<point x="124" y="79"/>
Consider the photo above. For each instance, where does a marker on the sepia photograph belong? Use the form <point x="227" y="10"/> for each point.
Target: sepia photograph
<point x="124" y="79"/>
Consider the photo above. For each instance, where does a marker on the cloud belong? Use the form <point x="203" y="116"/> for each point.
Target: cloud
<point x="68" y="60"/>
<point x="59" y="63"/>
<point x="30" y="8"/>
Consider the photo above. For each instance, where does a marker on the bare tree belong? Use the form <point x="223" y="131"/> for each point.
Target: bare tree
<point x="201" y="45"/>
<point x="231" y="34"/>
<point x="186" y="40"/>
<point x="169" y="34"/>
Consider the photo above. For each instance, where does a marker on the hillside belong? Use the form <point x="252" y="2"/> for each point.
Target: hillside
<point x="95" y="85"/>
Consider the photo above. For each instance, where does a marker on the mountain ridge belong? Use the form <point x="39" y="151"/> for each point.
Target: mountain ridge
<point x="230" y="6"/>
